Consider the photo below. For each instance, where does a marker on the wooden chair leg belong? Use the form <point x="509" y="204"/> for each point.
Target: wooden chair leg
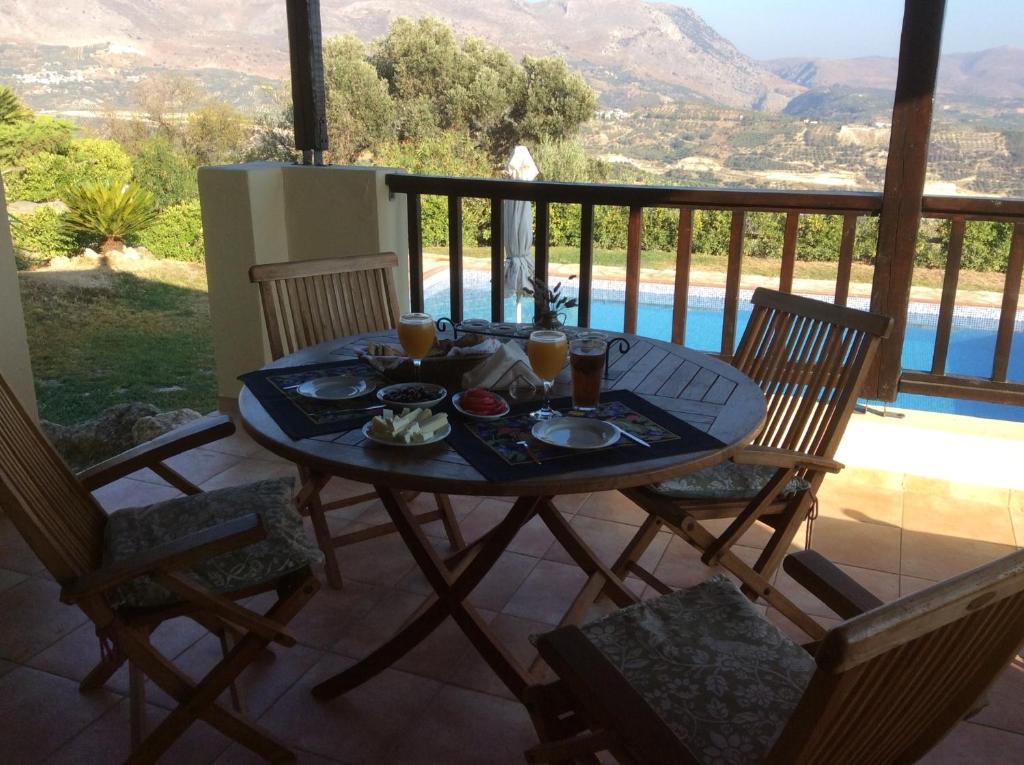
<point x="228" y="639"/>
<point x="136" y="704"/>
<point x="321" y="530"/>
<point x="199" y="701"/>
<point x="450" y="522"/>
<point x="102" y="672"/>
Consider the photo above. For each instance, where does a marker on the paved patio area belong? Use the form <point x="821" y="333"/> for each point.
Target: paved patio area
<point x="894" y="532"/>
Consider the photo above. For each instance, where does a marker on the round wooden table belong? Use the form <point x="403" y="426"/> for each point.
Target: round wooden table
<point x="695" y="387"/>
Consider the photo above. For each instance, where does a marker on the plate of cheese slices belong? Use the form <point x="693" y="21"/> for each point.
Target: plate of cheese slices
<point x="410" y="427"/>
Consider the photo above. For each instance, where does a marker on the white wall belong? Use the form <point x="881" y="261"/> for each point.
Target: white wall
<point x="271" y="212"/>
<point x="15" y="365"/>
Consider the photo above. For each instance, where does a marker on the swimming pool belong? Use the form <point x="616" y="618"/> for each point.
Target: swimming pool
<point x="971" y="343"/>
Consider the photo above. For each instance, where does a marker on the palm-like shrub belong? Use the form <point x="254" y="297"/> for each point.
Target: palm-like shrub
<point x="112" y="213"/>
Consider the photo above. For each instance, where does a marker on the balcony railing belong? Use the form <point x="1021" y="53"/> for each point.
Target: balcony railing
<point x="793" y="204"/>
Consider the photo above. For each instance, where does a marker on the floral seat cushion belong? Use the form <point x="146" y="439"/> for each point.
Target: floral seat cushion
<point x="722" y="678"/>
<point x="285" y="549"/>
<point x="726" y="480"/>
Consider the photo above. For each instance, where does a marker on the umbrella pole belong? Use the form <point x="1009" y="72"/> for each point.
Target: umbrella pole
<point x="519" y="309"/>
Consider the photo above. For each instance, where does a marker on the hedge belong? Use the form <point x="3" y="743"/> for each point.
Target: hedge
<point x="41" y="235"/>
<point x="177" y="233"/>
<point x="44" y="176"/>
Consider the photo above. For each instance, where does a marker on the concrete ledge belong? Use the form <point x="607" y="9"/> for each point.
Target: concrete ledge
<point x="15" y="365"/>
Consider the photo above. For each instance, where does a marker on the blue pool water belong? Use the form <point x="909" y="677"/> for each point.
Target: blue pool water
<point x="971" y="345"/>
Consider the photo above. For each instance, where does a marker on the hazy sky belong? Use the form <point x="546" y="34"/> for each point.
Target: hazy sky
<point x="842" y="29"/>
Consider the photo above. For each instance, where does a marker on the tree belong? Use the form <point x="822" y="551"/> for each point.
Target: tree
<point x="215" y="133"/>
<point x="166" y="99"/>
<point x="168" y="174"/>
<point x="12" y="110"/>
<point x="555" y="102"/>
<point x="114" y="213"/>
<point x="360" y="112"/>
<point x="45" y="175"/>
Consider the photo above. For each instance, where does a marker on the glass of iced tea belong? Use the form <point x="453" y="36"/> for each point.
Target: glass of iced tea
<point x="416" y="334"/>
<point x="587" y="358"/>
<point x="547" y="350"/>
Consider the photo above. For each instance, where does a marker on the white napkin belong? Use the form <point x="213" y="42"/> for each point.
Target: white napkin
<point x="505" y="365"/>
<point x="487" y="346"/>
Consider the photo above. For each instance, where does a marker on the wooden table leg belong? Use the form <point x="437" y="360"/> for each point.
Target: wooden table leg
<point x="312" y="484"/>
<point x="451" y="588"/>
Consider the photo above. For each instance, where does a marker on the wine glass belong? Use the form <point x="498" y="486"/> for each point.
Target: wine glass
<point x="416" y="334"/>
<point x="547" y="350"/>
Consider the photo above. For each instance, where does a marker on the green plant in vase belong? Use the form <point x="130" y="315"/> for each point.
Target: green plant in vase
<point x="551" y="303"/>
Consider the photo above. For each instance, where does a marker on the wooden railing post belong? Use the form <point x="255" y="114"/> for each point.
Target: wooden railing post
<point x="497" y="261"/>
<point x="944" y="324"/>
<point x="586" y="264"/>
<point x="633" y="243"/>
<point x="415" y="251"/>
<point x="681" y="294"/>
<point x="733" y="272"/>
<point x="455" y="256"/>
<point x="1008" y="312"/>
<point x="904" y="185"/>
<point x="540" y="260"/>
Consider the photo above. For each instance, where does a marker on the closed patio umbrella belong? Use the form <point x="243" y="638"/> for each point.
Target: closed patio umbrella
<point x="518" y="228"/>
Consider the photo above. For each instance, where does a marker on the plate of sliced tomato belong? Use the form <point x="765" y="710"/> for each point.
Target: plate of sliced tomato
<point x="480" y="404"/>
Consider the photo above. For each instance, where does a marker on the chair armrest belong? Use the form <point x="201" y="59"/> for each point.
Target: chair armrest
<point x="785" y="458"/>
<point x="180" y="440"/>
<point x="829" y="584"/>
<point x="179" y="553"/>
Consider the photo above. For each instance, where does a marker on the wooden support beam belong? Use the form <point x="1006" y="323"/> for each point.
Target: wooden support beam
<point x="904" y="184"/>
<point x="305" y="46"/>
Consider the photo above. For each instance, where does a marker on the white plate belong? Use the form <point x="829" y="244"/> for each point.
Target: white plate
<point x="340" y="388"/>
<point x="440" y="435"/>
<point x="576" y="432"/>
<point x="429" y="404"/>
<point x="457" y="403"/>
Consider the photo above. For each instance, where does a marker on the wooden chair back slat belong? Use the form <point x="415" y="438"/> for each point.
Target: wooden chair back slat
<point x="892" y="682"/>
<point x="312" y="301"/>
<point x="809" y="358"/>
<point x="58" y="518"/>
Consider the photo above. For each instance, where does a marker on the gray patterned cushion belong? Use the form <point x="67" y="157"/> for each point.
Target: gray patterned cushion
<point x="726" y="480"/>
<point x="722" y="677"/>
<point x="285" y="549"/>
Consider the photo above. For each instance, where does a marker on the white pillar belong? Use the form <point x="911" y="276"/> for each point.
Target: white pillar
<point x="15" y="365"/>
<point x="272" y="212"/>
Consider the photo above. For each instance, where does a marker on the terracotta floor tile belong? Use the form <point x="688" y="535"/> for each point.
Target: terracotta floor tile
<point x="128" y="492"/>
<point x="969" y="743"/>
<point x="570" y="503"/>
<point x="249" y="471"/>
<point x="109" y="740"/>
<point x="911" y="584"/>
<point x="681" y="566"/>
<point x="502" y="581"/>
<point x="263" y="681"/>
<point x="1006" y="700"/>
<point x="1017" y="516"/>
<point x="612" y="506"/>
<point x="608" y="539"/>
<point x="15" y="554"/>
<point x="533" y="539"/>
<point x="74" y="655"/>
<point x="462" y="727"/>
<point x="361" y="726"/>
<point x="953" y="492"/>
<point x="10" y="578"/>
<point x="866" y="545"/>
<point x="381" y="561"/>
<point x="34" y="618"/>
<point x="936" y="557"/>
<point x="357" y="637"/>
<point x="448" y="656"/>
<point x="46" y="711"/>
<point x="879" y="479"/>
<point x="239" y="755"/>
<point x="239" y="444"/>
<point x="547" y="593"/>
<point x="856" y="501"/>
<point x="795" y="633"/>
<point x="957" y="516"/>
<point x="333" y="614"/>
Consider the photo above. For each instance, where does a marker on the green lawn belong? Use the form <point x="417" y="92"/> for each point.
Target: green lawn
<point x="142" y="336"/>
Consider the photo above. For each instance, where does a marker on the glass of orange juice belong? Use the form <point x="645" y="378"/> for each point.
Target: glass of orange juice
<point x="547" y="351"/>
<point x="416" y="334"/>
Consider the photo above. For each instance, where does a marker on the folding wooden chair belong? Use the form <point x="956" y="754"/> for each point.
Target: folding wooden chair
<point x="194" y="556"/>
<point x="312" y="301"/>
<point x="700" y="676"/>
<point x="810" y="359"/>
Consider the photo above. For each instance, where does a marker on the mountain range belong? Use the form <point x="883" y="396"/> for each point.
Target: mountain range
<point x="633" y="53"/>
